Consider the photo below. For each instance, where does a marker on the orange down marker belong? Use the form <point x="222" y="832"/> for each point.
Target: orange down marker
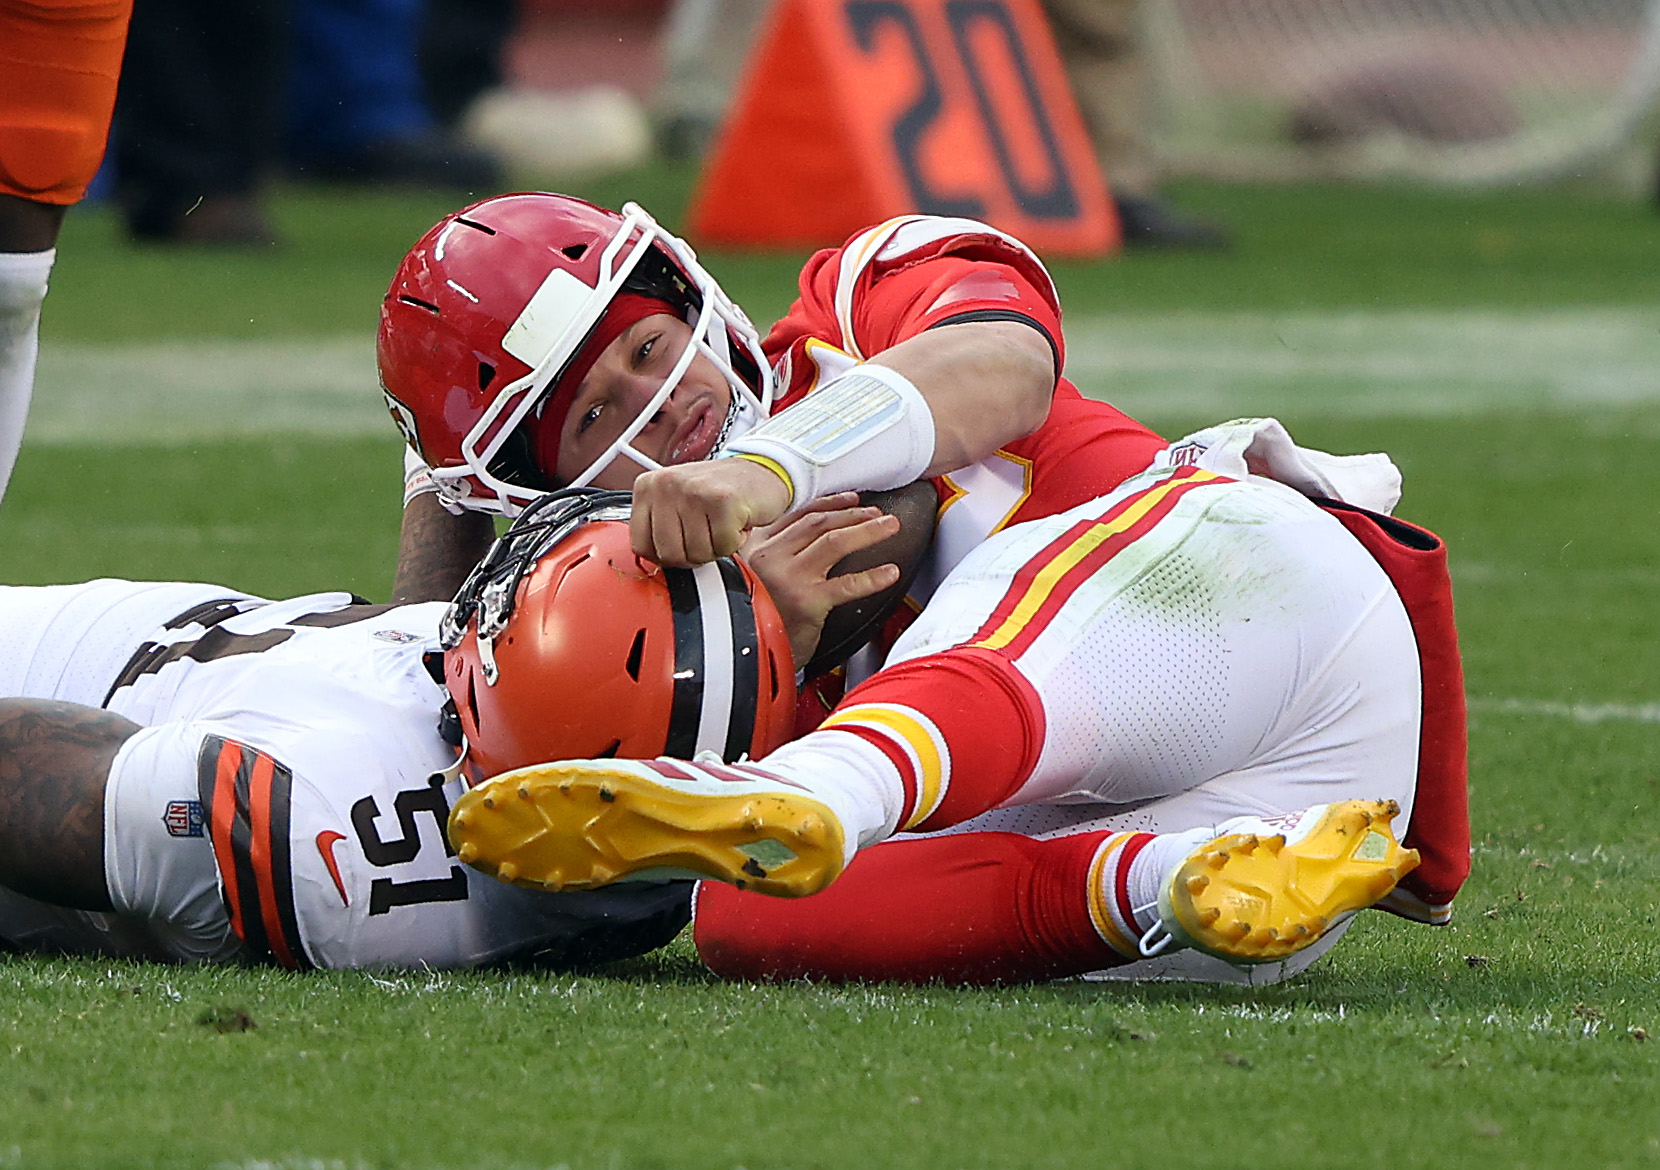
<point x="853" y="111"/>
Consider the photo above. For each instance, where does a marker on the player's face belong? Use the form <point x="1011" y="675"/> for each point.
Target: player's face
<point x="622" y="380"/>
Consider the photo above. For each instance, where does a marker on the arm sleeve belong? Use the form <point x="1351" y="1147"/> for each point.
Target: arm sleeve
<point x="158" y="858"/>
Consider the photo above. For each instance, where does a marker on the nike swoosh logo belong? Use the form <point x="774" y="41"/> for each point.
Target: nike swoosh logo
<point x="326" y="841"/>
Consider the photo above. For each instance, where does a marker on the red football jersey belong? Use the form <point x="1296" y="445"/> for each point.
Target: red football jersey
<point x="913" y="273"/>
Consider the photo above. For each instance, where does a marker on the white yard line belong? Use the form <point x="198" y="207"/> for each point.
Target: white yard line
<point x="190" y="391"/>
<point x="1406" y="363"/>
<point x="1578" y="712"/>
<point x="1205" y="366"/>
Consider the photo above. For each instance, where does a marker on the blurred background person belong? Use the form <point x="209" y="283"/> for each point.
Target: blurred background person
<point x="705" y="48"/>
<point x="1102" y="43"/>
<point x="461" y="53"/>
<point x="217" y="99"/>
<point x="357" y="106"/>
<point x="199" y="118"/>
<point x="59" y="60"/>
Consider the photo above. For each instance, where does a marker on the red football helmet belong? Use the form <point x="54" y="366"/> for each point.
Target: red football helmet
<point x="488" y="311"/>
<point x="563" y="644"/>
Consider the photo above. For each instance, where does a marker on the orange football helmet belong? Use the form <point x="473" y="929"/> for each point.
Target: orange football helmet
<point x="562" y="644"/>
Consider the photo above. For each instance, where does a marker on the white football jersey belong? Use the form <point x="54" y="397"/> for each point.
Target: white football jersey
<point x="300" y="740"/>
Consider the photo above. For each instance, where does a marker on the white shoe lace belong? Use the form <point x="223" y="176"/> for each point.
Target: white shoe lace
<point x="1146" y="945"/>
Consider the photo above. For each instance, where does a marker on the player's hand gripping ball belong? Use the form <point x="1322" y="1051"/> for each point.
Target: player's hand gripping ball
<point x="850" y="625"/>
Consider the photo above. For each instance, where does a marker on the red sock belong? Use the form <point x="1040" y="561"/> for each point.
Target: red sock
<point x="967" y="908"/>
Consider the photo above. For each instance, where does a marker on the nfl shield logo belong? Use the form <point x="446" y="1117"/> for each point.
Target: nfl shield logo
<point x="184" y="818"/>
<point x="1187" y="454"/>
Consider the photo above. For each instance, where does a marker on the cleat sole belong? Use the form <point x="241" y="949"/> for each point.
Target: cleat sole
<point x="1252" y="899"/>
<point x="583" y="826"/>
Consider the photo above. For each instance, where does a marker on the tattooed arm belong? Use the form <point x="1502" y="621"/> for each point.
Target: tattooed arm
<point x="436" y="550"/>
<point x="54" y="760"/>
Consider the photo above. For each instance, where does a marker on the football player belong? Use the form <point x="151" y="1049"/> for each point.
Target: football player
<point x="533" y="341"/>
<point x="58" y="71"/>
<point x="193" y="774"/>
<point x="510" y="289"/>
<point x="1199" y="702"/>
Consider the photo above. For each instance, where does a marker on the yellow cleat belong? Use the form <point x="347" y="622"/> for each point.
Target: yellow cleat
<point x="1258" y="893"/>
<point x="580" y="824"/>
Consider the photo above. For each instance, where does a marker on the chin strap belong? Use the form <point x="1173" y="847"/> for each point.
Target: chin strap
<point x="741" y="419"/>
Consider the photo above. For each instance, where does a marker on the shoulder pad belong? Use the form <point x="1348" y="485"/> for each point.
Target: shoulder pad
<point x="911" y="239"/>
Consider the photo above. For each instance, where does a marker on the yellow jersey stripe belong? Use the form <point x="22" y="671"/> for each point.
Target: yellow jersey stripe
<point x="917" y="737"/>
<point x="1064" y="561"/>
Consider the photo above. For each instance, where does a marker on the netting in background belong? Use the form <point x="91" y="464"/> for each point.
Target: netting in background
<point x="1456" y="91"/>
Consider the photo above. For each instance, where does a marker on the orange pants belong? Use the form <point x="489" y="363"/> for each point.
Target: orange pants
<point x="59" y="61"/>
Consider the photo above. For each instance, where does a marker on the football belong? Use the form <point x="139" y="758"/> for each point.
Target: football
<point x="851" y="625"/>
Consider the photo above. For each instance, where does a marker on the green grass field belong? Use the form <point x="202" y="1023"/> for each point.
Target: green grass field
<point x="214" y="416"/>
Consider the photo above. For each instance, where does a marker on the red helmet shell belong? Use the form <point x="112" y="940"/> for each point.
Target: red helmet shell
<point x="493" y="304"/>
<point x="459" y="290"/>
<point x="607" y="655"/>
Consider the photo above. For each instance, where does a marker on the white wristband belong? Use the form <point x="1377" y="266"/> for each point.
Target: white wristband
<point x="869" y="428"/>
<point x="417" y="476"/>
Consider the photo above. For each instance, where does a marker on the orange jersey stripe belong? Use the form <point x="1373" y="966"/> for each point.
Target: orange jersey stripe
<point x="223" y="819"/>
<point x="1050" y="579"/>
<point x="246" y="794"/>
<point x="259" y="855"/>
